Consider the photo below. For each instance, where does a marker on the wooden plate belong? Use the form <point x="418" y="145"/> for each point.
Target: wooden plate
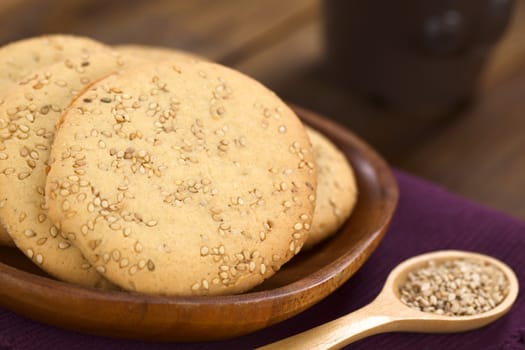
<point x="302" y="282"/>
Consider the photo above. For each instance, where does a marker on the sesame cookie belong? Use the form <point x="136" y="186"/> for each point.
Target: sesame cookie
<point x="21" y="58"/>
<point x="27" y="125"/>
<point x="336" y="189"/>
<point x="199" y="179"/>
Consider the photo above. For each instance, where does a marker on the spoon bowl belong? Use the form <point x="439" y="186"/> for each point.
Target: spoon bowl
<point x="387" y="313"/>
<point x="434" y="323"/>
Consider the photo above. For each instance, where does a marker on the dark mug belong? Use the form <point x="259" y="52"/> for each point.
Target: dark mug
<point x="417" y="56"/>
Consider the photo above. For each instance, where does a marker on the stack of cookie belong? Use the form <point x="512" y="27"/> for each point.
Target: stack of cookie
<point x="154" y="171"/>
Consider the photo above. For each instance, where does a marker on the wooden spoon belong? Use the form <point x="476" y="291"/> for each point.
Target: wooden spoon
<point x="387" y="313"/>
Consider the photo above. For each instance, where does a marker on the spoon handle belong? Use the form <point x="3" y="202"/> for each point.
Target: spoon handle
<point x="339" y="332"/>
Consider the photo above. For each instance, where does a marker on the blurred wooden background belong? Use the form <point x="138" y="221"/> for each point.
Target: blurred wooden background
<point x="478" y="152"/>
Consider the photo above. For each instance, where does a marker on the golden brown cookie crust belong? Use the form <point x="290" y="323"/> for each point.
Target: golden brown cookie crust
<point x="21" y="58"/>
<point x="27" y="126"/>
<point x="336" y="189"/>
<point x="200" y="180"/>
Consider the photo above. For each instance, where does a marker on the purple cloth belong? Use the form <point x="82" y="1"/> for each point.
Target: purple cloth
<point x="428" y="218"/>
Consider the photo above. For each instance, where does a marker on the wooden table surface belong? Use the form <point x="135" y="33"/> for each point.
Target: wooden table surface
<point x="478" y="152"/>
